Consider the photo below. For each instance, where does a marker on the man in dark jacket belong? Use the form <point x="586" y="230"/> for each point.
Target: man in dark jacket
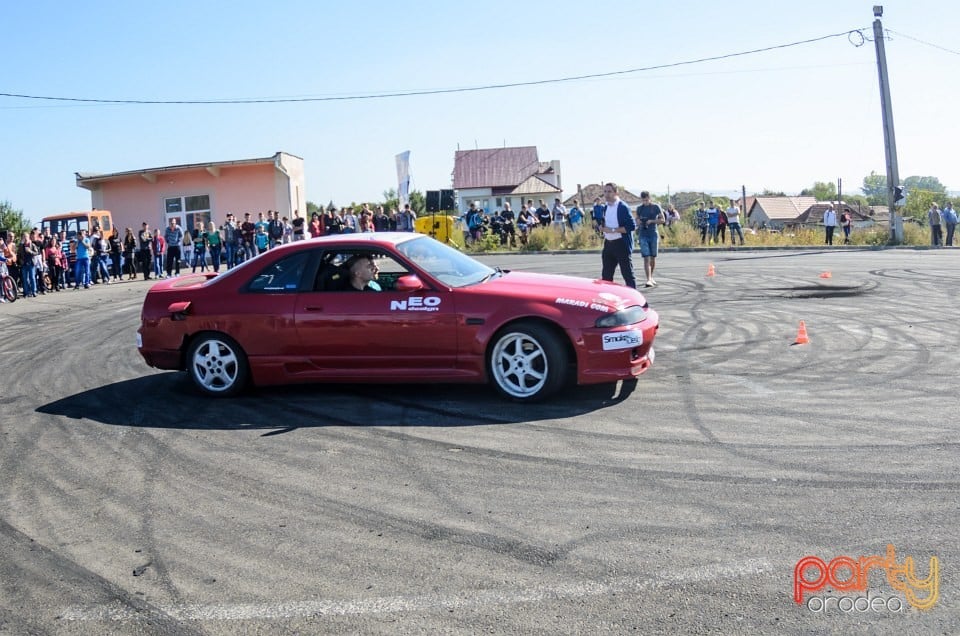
<point x="618" y="228"/>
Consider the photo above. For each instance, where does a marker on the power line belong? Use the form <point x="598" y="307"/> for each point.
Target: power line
<point x="438" y="91"/>
<point x="769" y="69"/>
<point x="924" y="42"/>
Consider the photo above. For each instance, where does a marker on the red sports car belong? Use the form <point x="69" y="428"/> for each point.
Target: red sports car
<point x="393" y="307"/>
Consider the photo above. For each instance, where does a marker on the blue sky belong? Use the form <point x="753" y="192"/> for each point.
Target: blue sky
<point x="778" y="120"/>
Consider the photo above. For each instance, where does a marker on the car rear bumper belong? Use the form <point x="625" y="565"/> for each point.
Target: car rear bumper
<point x="156" y="356"/>
<point x="169" y="360"/>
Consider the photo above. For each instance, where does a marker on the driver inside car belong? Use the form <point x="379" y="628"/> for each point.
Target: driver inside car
<point x="362" y="273"/>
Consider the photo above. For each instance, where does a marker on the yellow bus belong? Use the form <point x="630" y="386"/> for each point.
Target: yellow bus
<point x="73" y="222"/>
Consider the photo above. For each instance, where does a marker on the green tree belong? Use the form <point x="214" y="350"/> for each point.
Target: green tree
<point x="918" y="203"/>
<point x="853" y="200"/>
<point x="418" y="203"/>
<point x="875" y="188"/>
<point x="771" y="193"/>
<point x="821" y="191"/>
<point x="927" y="184"/>
<point x="313" y="208"/>
<point x="13" y="220"/>
<point x="390" y="200"/>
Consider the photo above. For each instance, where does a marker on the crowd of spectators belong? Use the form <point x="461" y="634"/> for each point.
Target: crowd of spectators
<point x="41" y="263"/>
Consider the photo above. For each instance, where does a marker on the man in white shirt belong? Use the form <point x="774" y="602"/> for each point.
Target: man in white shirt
<point x="830" y="222"/>
<point x="349" y="222"/>
<point x="618" y="227"/>
<point x="733" y="220"/>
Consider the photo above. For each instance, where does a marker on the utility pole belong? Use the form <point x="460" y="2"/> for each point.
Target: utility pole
<point x="889" y="140"/>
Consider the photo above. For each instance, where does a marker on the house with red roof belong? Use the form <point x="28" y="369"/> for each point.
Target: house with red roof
<point x="775" y="213"/>
<point x="492" y="177"/>
<point x="813" y="216"/>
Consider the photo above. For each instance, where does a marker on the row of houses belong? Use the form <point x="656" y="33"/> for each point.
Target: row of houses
<point x="493" y="177"/>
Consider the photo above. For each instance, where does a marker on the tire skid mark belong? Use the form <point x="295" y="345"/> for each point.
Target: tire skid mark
<point x="697" y="333"/>
<point x="155" y="453"/>
<point x="134" y="607"/>
<point x="364" y="518"/>
<point x="861" y="479"/>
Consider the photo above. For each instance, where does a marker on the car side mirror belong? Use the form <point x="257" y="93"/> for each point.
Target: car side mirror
<point x="408" y="283"/>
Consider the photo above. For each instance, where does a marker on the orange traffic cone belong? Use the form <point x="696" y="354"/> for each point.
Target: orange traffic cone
<point x="802" y="337"/>
<point x="711" y="271"/>
<point x="826" y="275"/>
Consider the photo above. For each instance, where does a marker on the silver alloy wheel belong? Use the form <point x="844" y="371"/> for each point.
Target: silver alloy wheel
<point x="519" y="364"/>
<point x="215" y="366"/>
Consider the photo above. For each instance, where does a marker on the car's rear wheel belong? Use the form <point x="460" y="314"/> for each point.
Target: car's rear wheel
<point x="527" y="362"/>
<point x="217" y="365"/>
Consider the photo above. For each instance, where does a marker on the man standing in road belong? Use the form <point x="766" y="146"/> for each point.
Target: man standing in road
<point x="298" y="226"/>
<point x="145" y="250"/>
<point x="248" y="230"/>
<point x="231" y="240"/>
<point x="618" y="227"/>
<point x="703" y="222"/>
<point x="559" y="215"/>
<point x="713" y="221"/>
<point x="544" y="217"/>
<point x="950" y="220"/>
<point x="408" y="220"/>
<point x="936" y="230"/>
<point x="830" y="222"/>
<point x="598" y="212"/>
<point x="733" y="221"/>
<point x="274" y="228"/>
<point x="649" y="216"/>
<point x="575" y="216"/>
<point x="174" y="238"/>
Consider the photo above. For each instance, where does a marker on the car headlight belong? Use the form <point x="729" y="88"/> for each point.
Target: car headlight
<point x="628" y="316"/>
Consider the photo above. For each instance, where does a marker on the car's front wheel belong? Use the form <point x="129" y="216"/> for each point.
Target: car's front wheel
<point x="527" y="362"/>
<point x="217" y="365"/>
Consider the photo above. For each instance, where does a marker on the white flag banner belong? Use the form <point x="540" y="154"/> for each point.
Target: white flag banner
<point x="403" y="177"/>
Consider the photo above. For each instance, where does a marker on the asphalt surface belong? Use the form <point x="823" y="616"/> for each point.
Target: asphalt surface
<point x="680" y="504"/>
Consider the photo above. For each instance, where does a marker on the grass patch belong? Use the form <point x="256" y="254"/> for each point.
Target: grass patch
<point x="682" y="234"/>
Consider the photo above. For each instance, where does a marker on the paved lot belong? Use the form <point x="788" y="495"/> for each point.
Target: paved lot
<point x="130" y="505"/>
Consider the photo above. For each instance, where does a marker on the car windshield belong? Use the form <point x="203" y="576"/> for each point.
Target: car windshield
<point x="444" y="263"/>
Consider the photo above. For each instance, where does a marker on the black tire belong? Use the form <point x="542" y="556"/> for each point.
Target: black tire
<point x="9" y="289"/>
<point x="217" y="365"/>
<point x="527" y="362"/>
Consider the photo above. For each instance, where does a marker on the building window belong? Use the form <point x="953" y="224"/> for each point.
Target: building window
<point x="188" y="210"/>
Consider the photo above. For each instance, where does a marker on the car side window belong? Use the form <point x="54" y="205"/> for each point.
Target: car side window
<point x="332" y="274"/>
<point x="281" y="277"/>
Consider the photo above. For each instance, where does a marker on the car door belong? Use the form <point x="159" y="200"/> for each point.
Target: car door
<point x="261" y="316"/>
<point x="385" y="334"/>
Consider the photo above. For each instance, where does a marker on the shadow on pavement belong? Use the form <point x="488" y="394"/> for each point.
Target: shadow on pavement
<point x="168" y="400"/>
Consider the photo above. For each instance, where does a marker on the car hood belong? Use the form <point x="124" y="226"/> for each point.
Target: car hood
<point x="566" y="290"/>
